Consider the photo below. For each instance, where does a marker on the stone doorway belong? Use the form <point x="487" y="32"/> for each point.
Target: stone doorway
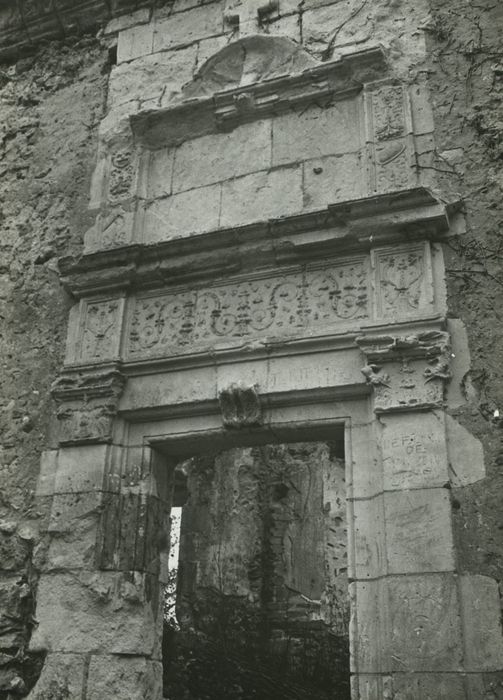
<point x="262" y="587"/>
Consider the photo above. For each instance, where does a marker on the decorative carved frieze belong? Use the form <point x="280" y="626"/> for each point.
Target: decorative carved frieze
<point x="290" y="304"/>
<point x="339" y="230"/>
<point x="390" y="147"/>
<point x="87" y="403"/>
<point x="407" y="372"/>
<point x="240" y="406"/>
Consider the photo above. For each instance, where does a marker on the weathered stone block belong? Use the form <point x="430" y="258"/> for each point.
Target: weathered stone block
<point x="219" y="157"/>
<point x="62" y="677"/>
<point x="102" y="612"/>
<point x="440" y="686"/>
<point x="315" y="133"/>
<point x="185" y="28"/>
<point x="366" y="473"/>
<point x="170" y="389"/>
<point x="74" y="519"/>
<point x="466" y="454"/>
<point x="134" y="42"/>
<point x="133" y="19"/>
<point x="422" y="114"/>
<point x="368" y="610"/>
<point x="414" y="451"/>
<point x="157" y="180"/>
<point x="320" y="371"/>
<point x="182" y="214"/>
<point x="369" y="542"/>
<point x="481" y="617"/>
<point x="132" y="678"/>
<point x="81" y="469"/>
<point x="261" y="196"/>
<point x="288" y="25"/>
<point x="418" y="531"/>
<point x="424" y="626"/>
<point x="151" y="76"/>
<point x="333" y="179"/>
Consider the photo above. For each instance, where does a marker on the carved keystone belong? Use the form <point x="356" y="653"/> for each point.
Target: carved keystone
<point x="87" y="404"/>
<point x="240" y="406"/>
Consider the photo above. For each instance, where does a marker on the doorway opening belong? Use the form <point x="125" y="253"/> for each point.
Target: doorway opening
<point x="260" y="608"/>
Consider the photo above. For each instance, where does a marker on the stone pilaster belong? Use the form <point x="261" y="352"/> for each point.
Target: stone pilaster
<point x="99" y="599"/>
<point x="413" y="614"/>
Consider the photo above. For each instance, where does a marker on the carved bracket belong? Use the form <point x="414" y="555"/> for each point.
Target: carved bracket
<point x="87" y="402"/>
<point x="240" y="406"/>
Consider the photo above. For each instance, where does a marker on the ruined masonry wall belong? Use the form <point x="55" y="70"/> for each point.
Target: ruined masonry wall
<point x="47" y="153"/>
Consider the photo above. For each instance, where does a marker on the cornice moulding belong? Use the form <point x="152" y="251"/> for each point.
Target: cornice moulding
<point x="81" y="377"/>
<point x="350" y="227"/>
<point x="226" y="109"/>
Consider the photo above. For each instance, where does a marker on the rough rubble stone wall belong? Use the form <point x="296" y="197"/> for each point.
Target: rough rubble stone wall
<point x="466" y="62"/>
<point x="50" y="106"/>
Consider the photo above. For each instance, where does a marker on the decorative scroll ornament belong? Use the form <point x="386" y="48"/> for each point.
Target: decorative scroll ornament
<point x="240" y="406"/>
<point x="249" y="309"/>
<point x="87" y="404"/>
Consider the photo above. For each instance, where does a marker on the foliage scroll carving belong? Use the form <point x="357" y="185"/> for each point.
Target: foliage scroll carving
<point x="249" y="309"/>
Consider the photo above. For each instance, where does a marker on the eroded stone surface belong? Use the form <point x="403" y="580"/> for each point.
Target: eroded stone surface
<point x="128" y="678"/>
<point x="103" y="611"/>
<point x="414" y="452"/>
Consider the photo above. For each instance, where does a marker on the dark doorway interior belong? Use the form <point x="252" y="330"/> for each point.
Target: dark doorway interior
<point x="262" y="608"/>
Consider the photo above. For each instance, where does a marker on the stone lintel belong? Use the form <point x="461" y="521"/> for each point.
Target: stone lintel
<point x="343" y="228"/>
<point x="226" y="109"/>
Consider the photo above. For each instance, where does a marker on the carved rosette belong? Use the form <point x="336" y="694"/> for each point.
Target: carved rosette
<point x="390" y="147"/>
<point x="406" y="372"/>
<point x="240" y="406"/>
<point x="87" y="403"/>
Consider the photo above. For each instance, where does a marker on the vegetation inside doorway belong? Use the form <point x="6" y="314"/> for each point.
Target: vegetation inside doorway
<point x="262" y="608"/>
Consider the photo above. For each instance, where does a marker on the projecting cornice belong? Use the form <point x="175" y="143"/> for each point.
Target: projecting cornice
<point x="203" y="112"/>
<point x="25" y="23"/>
<point x="343" y="228"/>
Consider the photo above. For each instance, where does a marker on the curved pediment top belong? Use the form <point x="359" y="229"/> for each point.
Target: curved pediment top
<point x="249" y="60"/>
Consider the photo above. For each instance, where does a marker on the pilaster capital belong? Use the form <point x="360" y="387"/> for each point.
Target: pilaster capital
<point x="87" y="400"/>
<point x="406" y="372"/>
